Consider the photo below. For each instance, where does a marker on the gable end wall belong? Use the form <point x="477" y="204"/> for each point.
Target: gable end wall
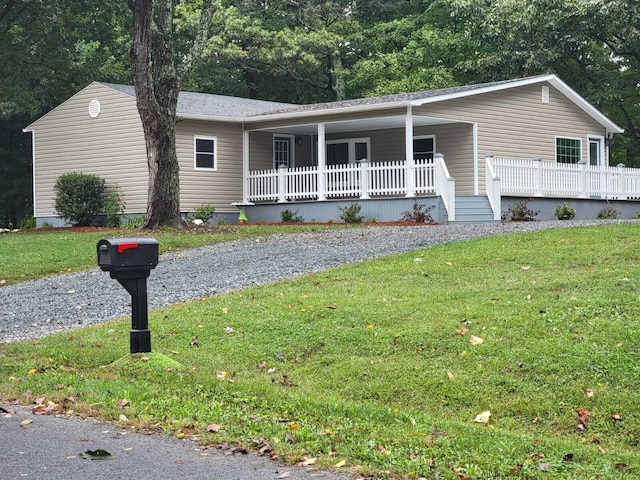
<point x="111" y="146"/>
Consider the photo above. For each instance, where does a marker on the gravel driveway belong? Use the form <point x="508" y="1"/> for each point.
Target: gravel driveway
<point x="41" y="307"/>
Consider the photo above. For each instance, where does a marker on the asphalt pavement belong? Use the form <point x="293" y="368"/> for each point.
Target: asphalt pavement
<point x="47" y="447"/>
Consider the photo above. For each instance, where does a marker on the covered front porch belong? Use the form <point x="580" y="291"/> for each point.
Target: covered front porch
<point x="389" y="188"/>
<point x="393" y="154"/>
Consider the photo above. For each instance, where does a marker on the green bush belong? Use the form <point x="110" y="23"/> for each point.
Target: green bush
<point x="114" y="206"/>
<point x="419" y="214"/>
<point x="288" y="216"/>
<point x="350" y="214"/>
<point x="565" y="212"/>
<point x="520" y="212"/>
<point x="203" y="212"/>
<point x="79" y="197"/>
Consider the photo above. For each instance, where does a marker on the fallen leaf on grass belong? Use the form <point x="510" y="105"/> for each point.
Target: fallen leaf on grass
<point x="341" y="463"/>
<point x="229" y="330"/>
<point x="543" y="467"/>
<point x="616" y="417"/>
<point x="309" y="461"/>
<point x="123" y="402"/>
<point x="588" y="392"/>
<point x="483" y="417"/>
<point x="214" y="428"/>
<point x="526" y="267"/>
<point x="473" y="340"/>
<point x="462" y="331"/>
<point x="583" y="415"/>
<point x="451" y="376"/>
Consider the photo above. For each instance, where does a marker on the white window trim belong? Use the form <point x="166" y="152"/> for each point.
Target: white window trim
<point x="422" y="137"/>
<point x="292" y="152"/>
<point x="352" y="146"/>
<point x="565" y="137"/>
<point x="215" y="153"/>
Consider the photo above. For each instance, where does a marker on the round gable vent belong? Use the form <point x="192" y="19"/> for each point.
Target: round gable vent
<point x="94" y="108"/>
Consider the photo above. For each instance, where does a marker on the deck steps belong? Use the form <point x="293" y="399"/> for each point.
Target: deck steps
<point x="473" y="209"/>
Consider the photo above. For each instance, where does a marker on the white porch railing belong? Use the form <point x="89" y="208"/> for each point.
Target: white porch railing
<point x="539" y="178"/>
<point x="360" y="180"/>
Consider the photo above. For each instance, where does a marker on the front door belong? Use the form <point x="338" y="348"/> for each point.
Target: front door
<point x="595" y="151"/>
<point x="347" y="150"/>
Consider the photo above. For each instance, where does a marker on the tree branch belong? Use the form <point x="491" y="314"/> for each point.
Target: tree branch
<point x="200" y="43"/>
<point x="7" y="7"/>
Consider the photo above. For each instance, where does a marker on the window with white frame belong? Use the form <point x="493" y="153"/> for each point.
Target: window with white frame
<point x="424" y="147"/>
<point x="348" y="150"/>
<point x="283" y="149"/>
<point x="568" y="150"/>
<point x="204" y="153"/>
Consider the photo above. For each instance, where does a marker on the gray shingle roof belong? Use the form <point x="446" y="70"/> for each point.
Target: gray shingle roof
<point x="209" y="105"/>
<point x="400" y="97"/>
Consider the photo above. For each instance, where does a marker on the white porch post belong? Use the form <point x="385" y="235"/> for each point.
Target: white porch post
<point x="322" y="162"/>
<point x="476" y="169"/>
<point x="538" y="180"/>
<point x="245" y="167"/>
<point x="364" y="179"/>
<point x="410" y="174"/>
<point x="623" y="182"/>
<point x="282" y="184"/>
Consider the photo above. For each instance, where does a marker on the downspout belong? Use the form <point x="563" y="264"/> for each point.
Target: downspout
<point x="476" y="169"/>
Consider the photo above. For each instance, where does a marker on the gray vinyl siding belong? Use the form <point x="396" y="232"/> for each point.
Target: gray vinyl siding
<point x="515" y="123"/>
<point x="221" y="186"/>
<point x="111" y="146"/>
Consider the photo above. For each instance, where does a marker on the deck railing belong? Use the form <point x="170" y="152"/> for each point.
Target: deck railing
<point x="539" y="178"/>
<point x="359" y="180"/>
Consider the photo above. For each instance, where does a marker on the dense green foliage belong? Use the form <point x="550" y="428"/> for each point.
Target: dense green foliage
<point x="319" y="50"/>
<point x="79" y="197"/>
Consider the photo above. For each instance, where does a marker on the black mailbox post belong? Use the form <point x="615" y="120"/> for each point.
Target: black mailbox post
<point x="130" y="260"/>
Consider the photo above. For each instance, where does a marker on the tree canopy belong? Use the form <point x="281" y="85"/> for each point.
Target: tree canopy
<point x="303" y="51"/>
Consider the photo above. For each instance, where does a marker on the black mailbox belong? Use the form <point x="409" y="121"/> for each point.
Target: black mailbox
<point x="130" y="260"/>
<point x="119" y="254"/>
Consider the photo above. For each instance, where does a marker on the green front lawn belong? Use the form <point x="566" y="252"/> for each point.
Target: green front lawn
<point x="380" y="369"/>
<point x="38" y="253"/>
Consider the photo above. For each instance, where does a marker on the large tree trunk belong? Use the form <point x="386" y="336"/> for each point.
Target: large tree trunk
<point x="157" y="83"/>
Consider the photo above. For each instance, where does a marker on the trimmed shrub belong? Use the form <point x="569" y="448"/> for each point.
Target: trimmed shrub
<point x="203" y="212"/>
<point x="79" y="197"/>
<point x="565" y="212"/>
<point x="350" y="214"/>
<point x="288" y="216"/>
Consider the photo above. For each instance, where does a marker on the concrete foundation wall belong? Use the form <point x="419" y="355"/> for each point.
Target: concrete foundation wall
<point x="388" y="210"/>
<point x="586" y="209"/>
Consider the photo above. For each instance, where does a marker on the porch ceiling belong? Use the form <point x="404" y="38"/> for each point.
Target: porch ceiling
<point x="378" y="123"/>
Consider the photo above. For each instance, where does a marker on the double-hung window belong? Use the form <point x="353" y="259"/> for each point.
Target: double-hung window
<point x="205" y="153"/>
<point x="568" y="150"/>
